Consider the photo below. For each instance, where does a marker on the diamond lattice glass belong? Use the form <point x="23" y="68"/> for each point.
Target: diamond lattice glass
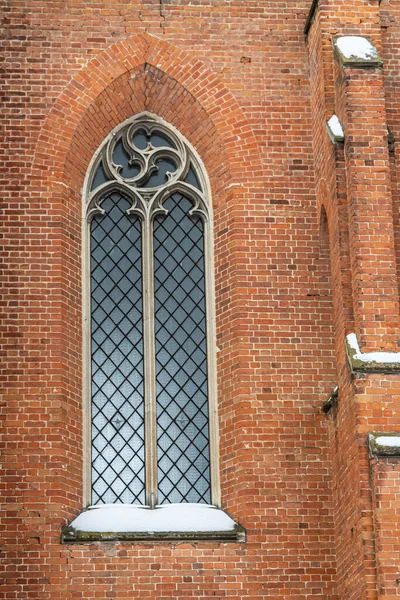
<point x="181" y="355"/>
<point x="117" y="355"/>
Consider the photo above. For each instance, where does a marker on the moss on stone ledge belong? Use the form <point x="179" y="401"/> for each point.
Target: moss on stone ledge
<point x="382" y="449"/>
<point x="71" y="535"/>
<point x="361" y="366"/>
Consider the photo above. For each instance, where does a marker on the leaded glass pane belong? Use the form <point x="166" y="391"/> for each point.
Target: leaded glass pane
<point x="141" y="139"/>
<point x="117" y="355"/>
<point x="99" y="176"/>
<point x="181" y="355"/>
<point x="127" y="167"/>
<point x="159" y="176"/>
<point x="192" y="178"/>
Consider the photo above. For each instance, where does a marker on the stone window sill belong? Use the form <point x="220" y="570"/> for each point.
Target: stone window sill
<point x="169" y="523"/>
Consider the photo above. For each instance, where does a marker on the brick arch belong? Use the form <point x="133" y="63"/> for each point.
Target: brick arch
<point x="142" y="73"/>
<point x="147" y="88"/>
<point x="145" y="73"/>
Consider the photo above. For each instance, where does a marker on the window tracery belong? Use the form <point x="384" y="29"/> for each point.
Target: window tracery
<point x="151" y="361"/>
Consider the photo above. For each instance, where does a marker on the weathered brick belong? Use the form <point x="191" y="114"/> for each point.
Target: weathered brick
<point x="307" y="249"/>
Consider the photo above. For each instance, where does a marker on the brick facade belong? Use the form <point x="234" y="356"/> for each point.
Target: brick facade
<point x="307" y="250"/>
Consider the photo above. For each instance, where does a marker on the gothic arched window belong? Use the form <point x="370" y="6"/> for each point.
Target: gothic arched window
<point x="150" y="342"/>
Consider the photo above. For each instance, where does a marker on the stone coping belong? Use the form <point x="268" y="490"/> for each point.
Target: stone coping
<point x="374" y="362"/>
<point x="370" y="61"/>
<point x="335" y="130"/>
<point x="384" y="444"/>
<point x="70" y="535"/>
<point x="167" y="522"/>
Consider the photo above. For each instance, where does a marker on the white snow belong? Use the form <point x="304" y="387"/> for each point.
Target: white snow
<point x="165" y="518"/>
<point x="353" y="342"/>
<point x="354" y="46"/>
<point x="378" y="357"/>
<point x="335" y="126"/>
<point x="388" y="440"/>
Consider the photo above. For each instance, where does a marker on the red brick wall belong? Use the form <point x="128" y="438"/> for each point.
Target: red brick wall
<point x="332" y="199"/>
<point x="386" y="484"/>
<point x="384" y="472"/>
<point x="238" y="81"/>
<point x="364" y="507"/>
<point x="390" y="23"/>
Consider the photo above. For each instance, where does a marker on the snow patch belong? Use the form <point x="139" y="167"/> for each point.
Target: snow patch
<point x="335" y="126"/>
<point x="388" y="440"/>
<point x="354" y="46"/>
<point x="165" y="518"/>
<point x="377" y="357"/>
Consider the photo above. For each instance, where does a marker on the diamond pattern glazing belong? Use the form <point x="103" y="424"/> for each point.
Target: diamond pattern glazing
<point x="181" y="355"/>
<point x="117" y="355"/>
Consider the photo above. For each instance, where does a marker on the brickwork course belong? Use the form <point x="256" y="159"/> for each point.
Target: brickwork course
<point x="307" y="250"/>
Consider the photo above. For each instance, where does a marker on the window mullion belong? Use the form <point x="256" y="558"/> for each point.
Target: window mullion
<point x="211" y="364"/>
<point x="149" y="364"/>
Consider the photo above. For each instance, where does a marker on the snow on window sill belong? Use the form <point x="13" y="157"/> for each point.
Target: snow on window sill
<point x="169" y="522"/>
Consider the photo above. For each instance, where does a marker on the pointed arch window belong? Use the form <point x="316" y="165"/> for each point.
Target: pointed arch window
<point x="152" y="433"/>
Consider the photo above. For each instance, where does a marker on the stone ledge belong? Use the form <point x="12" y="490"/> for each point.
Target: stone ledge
<point x="70" y="535"/>
<point x="335" y="130"/>
<point x="138" y="523"/>
<point x="374" y="362"/>
<point x="355" y="51"/>
<point x="384" y="444"/>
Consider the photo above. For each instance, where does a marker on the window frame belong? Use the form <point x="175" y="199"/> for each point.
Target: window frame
<point x="148" y="316"/>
